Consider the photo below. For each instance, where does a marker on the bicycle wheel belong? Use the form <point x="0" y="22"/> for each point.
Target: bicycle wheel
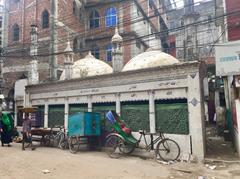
<point x="62" y="142"/>
<point x="46" y="141"/>
<point x="73" y="144"/>
<point x="113" y="145"/>
<point x="167" y="150"/>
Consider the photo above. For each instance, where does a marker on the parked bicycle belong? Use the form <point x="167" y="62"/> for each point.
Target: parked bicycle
<point x="53" y="139"/>
<point x="122" y="141"/>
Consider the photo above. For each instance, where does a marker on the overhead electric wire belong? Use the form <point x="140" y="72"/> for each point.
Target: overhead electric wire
<point x="82" y="32"/>
<point x="172" y="29"/>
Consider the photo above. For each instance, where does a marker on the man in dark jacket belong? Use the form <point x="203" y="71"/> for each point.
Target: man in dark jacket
<point x="26" y="131"/>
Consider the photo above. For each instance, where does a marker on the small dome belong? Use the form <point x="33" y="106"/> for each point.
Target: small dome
<point x="88" y="66"/>
<point x="148" y="59"/>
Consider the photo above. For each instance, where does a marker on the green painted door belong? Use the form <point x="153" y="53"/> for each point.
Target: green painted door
<point x="55" y="115"/>
<point x="172" y="116"/>
<point x="75" y="108"/>
<point x="136" y="115"/>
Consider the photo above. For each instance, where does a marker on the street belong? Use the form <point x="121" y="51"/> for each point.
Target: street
<point x="59" y="164"/>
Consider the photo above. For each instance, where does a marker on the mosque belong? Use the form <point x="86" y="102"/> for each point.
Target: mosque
<point x="152" y="91"/>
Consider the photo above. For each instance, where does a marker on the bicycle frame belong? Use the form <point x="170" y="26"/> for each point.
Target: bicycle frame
<point x="149" y="147"/>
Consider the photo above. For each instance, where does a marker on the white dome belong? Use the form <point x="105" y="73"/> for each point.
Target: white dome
<point x="150" y="59"/>
<point x="88" y="66"/>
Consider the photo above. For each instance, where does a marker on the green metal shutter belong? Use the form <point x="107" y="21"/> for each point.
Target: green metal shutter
<point x="75" y="108"/>
<point x="136" y="115"/>
<point x="55" y="115"/>
<point x="172" y="118"/>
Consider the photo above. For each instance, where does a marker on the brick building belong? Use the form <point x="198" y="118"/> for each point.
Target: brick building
<point x="233" y="20"/>
<point x="88" y="24"/>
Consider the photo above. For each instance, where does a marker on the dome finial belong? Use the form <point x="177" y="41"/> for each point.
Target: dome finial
<point x="68" y="48"/>
<point x="89" y="55"/>
<point x="117" y="38"/>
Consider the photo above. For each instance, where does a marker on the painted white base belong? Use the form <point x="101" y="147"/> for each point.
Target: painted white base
<point x="236" y="131"/>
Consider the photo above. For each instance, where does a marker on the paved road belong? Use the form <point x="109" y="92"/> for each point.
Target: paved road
<point x="17" y="164"/>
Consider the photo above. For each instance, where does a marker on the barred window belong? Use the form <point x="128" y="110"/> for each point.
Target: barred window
<point x="16" y="32"/>
<point x="94" y="19"/>
<point x="111" y="17"/>
<point x="45" y="19"/>
<point x="109" y="52"/>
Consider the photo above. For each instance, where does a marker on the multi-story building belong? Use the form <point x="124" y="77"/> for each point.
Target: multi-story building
<point x="87" y="24"/>
<point x="1" y="23"/>
<point x="192" y="31"/>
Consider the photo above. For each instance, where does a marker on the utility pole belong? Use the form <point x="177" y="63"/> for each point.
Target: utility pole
<point x="53" y="43"/>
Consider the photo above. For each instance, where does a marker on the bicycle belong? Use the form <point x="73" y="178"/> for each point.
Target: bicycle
<point x="53" y="139"/>
<point x="122" y="142"/>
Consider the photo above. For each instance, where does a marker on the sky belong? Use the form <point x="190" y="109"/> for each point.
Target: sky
<point x="179" y="3"/>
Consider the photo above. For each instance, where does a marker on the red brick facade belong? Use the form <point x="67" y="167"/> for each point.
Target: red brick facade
<point x="233" y="20"/>
<point x="26" y="12"/>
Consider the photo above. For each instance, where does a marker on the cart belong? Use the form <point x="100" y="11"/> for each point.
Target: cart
<point x="83" y="128"/>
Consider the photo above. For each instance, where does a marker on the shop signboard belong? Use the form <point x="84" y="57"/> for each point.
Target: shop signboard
<point x="228" y="58"/>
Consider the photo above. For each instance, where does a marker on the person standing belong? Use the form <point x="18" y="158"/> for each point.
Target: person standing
<point x="6" y="126"/>
<point x="26" y="131"/>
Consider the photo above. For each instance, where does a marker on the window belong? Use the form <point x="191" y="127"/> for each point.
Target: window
<point x="75" y="45"/>
<point x="111" y="17"/>
<point x="15" y="32"/>
<point x="94" y="19"/>
<point x="182" y="22"/>
<point x="95" y="52"/>
<point x="209" y="18"/>
<point x="45" y="19"/>
<point x="150" y="3"/>
<point x="109" y="52"/>
<point x="81" y="13"/>
<point x="74" y="8"/>
<point x="138" y="44"/>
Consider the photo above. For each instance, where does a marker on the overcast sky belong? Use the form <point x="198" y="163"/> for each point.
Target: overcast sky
<point x="179" y="3"/>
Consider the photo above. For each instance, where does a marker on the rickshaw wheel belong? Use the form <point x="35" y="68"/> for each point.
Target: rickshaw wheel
<point x="73" y="144"/>
<point x="113" y="145"/>
<point x="127" y="148"/>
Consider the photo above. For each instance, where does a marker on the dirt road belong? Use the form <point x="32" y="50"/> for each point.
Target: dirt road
<point x="17" y="164"/>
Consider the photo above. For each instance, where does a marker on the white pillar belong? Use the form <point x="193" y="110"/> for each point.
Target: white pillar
<point x="237" y="101"/>
<point x="118" y="104"/>
<point x="46" y="115"/>
<point x="152" y="112"/>
<point x="196" y="116"/>
<point x="15" y="114"/>
<point x="89" y="103"/>
<point x="66" y="110"/>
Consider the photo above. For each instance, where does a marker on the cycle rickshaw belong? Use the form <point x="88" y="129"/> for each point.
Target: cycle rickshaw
<point x="121" y="141"/>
